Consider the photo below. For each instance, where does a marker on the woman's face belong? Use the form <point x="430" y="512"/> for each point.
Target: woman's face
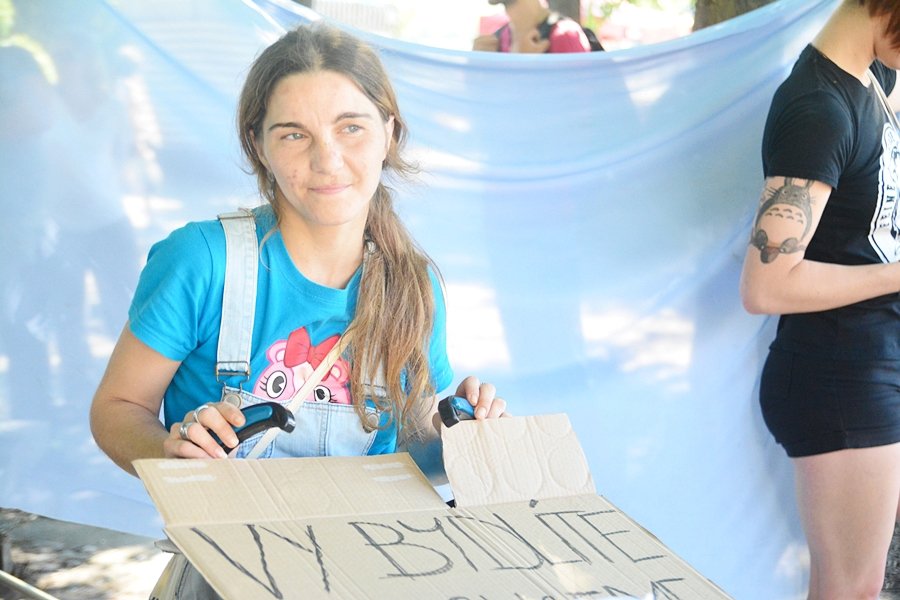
<point x="325" y="142"/>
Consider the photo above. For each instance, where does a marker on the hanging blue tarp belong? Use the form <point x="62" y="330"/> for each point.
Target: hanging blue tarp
<point x="589" y="214"/>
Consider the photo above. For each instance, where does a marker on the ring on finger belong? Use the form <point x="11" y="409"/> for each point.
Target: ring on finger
<point x="184" y="430"/>
<point x="198" y="410"/>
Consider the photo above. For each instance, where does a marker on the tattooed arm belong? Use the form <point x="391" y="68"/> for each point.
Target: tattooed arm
<point x="778" y="279"/>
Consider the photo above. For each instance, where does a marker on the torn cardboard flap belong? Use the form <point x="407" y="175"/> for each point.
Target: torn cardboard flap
<point x="328" y="528"/>
<point x="512" y="460"/>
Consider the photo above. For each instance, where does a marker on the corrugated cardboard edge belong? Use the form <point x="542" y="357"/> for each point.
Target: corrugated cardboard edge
<point x="262" y="490"/>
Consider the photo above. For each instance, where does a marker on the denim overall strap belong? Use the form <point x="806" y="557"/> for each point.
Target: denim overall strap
<point x="317" y="375"/>
<point x="239" y="297"/>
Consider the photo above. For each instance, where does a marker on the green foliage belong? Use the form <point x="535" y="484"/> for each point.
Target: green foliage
<point x="7" y="18"/>
<point x="9" y="37"/>
<point x="597" y="11"/>
<point x="602" y="9"/>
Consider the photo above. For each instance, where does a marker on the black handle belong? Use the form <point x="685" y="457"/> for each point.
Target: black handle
<point x="452" y="408"/>
<point x="260" y="417"/>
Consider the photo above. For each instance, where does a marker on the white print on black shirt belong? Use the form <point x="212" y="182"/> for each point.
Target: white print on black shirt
<point x="884" y="233"/>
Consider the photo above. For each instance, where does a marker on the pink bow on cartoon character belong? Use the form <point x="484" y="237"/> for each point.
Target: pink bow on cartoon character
<point x="300" y="349"/>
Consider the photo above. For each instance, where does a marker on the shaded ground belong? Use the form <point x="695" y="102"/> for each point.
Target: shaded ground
<point x="892" y="578"/>
<point x="76" y="562"/>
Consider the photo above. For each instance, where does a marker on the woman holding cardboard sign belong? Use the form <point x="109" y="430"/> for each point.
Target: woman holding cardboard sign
<point x="318" y="300"/>
<point x="825" y="253"/>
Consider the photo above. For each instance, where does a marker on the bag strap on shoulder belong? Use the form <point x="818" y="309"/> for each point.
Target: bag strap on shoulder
<point x="882" y="97"/>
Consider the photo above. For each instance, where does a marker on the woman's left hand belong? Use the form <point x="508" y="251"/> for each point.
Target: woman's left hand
<point x="427" y="453"/>
<point x="482" y="396"/>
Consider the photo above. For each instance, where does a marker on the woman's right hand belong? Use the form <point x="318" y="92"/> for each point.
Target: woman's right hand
<point x="192" y="437"/>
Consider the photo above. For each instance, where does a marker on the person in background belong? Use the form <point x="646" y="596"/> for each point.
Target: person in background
<point x="823" y="254"/>
<point x="319" y="125"/>
<point x="29" y="109"/>
<point x="533" y="29"/>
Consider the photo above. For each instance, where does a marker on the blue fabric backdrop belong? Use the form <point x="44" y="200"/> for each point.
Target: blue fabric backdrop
<point x="589" y="214"/>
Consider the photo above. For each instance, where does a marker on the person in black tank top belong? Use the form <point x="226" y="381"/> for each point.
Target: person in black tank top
<point x="824" y="254"/>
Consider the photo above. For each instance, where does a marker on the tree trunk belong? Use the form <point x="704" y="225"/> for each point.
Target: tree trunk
<point x="710" y="12"/>
<point x="568" y="8"/>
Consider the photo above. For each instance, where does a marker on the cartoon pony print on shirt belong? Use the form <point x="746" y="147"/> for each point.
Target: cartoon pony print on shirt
<point x="292" y="361"/>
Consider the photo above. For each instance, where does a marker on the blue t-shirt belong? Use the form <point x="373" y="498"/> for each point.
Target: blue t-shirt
<point x="177" y="310"/>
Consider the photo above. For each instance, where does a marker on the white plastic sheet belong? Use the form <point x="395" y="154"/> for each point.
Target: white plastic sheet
<point x="589" y="214"/>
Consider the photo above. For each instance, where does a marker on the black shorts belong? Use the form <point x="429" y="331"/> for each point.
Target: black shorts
<point x="814" y="405"/>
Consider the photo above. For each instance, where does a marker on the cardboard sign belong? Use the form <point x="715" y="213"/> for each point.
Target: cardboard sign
<point x="528" y="524"/>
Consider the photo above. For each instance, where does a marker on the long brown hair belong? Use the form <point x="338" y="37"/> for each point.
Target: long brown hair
<point x="395" y="306"/>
